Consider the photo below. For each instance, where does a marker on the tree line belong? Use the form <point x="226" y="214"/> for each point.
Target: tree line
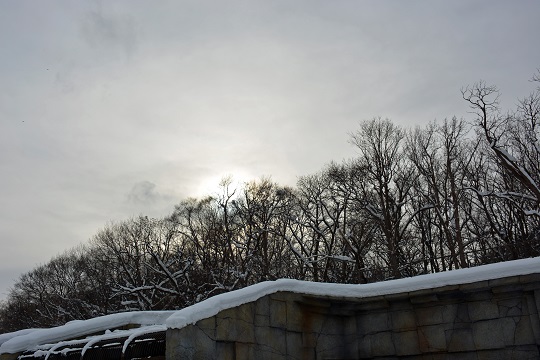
<point x="448" y="195"/>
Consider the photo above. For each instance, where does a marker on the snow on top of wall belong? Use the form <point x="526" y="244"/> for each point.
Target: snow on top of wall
<point x="214" y="305"/>
<point x="9" y="336"/>
<point x="77" y="328"/>
<point x="29" y="339"/>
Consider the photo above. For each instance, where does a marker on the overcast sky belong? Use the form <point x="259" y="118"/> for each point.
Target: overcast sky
<point x="110" y="109"/>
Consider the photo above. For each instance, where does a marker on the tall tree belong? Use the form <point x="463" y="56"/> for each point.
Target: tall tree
<point x="387" y="189"/>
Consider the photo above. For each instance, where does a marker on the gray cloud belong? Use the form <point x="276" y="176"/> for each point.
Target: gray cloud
<point x="143" y="192"/>
<point x="106" y="31"/>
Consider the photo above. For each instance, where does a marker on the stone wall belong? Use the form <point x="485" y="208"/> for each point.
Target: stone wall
<point x="495" y="319"/>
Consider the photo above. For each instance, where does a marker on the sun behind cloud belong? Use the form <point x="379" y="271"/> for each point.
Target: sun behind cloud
<point x="213" y="185"/>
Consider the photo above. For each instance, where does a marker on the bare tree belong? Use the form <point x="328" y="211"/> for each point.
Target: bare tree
<point x="261" y="246"/>
<point x="512" y="137"/>
<point x="510" y="199"/>
<point x="387" y="188"/>
<point x="441" y="154"/>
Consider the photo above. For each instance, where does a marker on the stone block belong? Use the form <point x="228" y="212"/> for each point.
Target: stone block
<point x="406" y="343"/>
<point x="402" y="304"/>
<point x="514" y="353"/>
<point x="343" y="308"/>
<point x="482" y="310"/>
<point x="364" y="347"/>
<point x="480" y="296"/>
<point x="474" y="287"/>
<point x="313" y="322"/>
<point x="336" y="347"/>
<point x="307" y="353"/>
<point x="447" y="288"/>
<point x="245" y="351"/>
<point x="262" y="306"/>
<point x="530" y="278"/>
<point x="501" y="289"/>
<point x="532" y="286"/>
<point x="236" y="324"/>
<point x="403" y="320"/>
<point x="524" y="334"/>
<point x="331" y="325"/>
<point x="294" y="316"/>
<point x="397" y="298"/>
<point x="528" y="352"/>
<point x="429" y="315"/>
<point x="263" y="353"/>
<point x="189" y="342"/>
<point x="278" y="313"/>
<point x="512" y="307"/>
<point x="382" y="344"/>
<point x="533" y="317"/>
<point x="491" y="334"/>
<point x="309" y="339"/>
<point x="431" y="338"/>
<point x="509" y="330"/>
<point x="373" y="322"/>
<point x="510" y="280"/>
<point x="262" y="311"/>
<point x="437" y="357"/>
<point x="424" y="299"/>
<point x="208" y="326"/>
<point x="456" y="313"/>
<point x="537" y="300"/>
<point x="459" y="340"/>
<point x="349" y="326"/>
<point x="261" y="320"/>
<point x="373" y="303"/>
<point x="226" y="350"/>
<point x="422" y="292"/>
<point x="352" y="345"/>
<point x="315" y="301"/>
<point x="271" y="340"/>
<point x="494" y="354"/>
<point x="450" y="312"/>
<point x="294" y="344"/>
<point x="511" y="302"/>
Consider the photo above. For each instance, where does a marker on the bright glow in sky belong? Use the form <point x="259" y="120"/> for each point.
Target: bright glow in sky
<point x="110" y="109"/>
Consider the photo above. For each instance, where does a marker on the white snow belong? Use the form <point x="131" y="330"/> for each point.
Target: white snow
<point x="214" y="305"/>
<point x="80" y="328"/>
<point x="341" y="257"/>
<point x="142" y="331"/>
<point x="31" y="339"/>
<point x="8" y="336"/>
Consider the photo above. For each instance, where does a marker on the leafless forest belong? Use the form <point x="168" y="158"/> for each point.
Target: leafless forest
<point x="449" y="195"/>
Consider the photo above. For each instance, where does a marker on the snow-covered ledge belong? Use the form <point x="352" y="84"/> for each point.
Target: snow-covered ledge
<point x="28" y="339"/>
<point x="214" y="305"/>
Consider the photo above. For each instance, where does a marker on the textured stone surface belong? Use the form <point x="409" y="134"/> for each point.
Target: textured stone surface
<point x="431" y="338"/>
<point x="237" y="323"/>
<point x="404" y="320"/>
<point x="482" y="310"/>
<point x="485" y="320"/>
<point x="381" y="344"/>
<point x="406" y="343"/>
